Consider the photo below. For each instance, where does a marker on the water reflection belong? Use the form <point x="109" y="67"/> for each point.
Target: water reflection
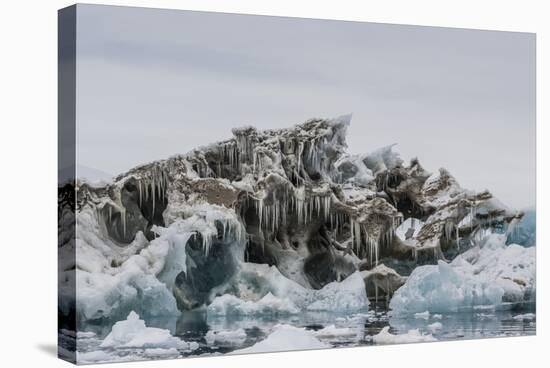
<point x="197" y="325"/>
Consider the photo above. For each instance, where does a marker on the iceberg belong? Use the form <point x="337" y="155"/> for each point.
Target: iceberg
<point x="441" y="288"/>
<point x="285" y="338"/>
<point x="262" y="289"/>
<point x="133" y="333"/>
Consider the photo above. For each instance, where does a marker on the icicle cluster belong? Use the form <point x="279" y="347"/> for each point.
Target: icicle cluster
<point x="272" y="215"/>
<point x="153" y="186"/>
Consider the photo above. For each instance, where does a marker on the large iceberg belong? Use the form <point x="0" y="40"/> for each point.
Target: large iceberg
<point x="280" y="223"/>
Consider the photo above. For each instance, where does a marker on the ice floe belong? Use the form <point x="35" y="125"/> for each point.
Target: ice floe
<point x="133" y="333"/>
<point x="285" y="338"/>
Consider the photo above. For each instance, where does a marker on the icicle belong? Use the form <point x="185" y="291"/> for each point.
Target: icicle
<point x="139" y="189"/>
<point x="153" y="192"/>
<point x="123" y="218"/>
<point x="457" y="238"/>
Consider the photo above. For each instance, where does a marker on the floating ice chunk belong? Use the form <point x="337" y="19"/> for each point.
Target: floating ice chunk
<point x="437" y="316"/>
<point x="385" y="337"/>
<point x="285" y="338"/>
<point x="268" y="305"/>
<point x="225" y="338"/>
<point x="434" y="327"/>
<point x="333" y="331"/>
<point x="441" y="288"/>
<point x="132" y="333"/>
<point x="422" y="315"/>
<point x="525" y="317"/>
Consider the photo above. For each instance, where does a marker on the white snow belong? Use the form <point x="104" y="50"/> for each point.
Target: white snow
<point x="133" y="333"/>
<point x="285" y="338"/>
<point x="385" y="337"/>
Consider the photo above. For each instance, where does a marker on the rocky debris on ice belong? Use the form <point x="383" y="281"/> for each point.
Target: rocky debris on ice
<point x="285" y="338"/>
<point x="382" y="281"/>
<point x="384" y="337"/>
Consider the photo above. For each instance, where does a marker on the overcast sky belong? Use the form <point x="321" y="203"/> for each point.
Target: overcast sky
<point x="152" y="83"/>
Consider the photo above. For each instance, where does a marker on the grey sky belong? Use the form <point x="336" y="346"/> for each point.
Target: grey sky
<point x="152" y="83"/>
